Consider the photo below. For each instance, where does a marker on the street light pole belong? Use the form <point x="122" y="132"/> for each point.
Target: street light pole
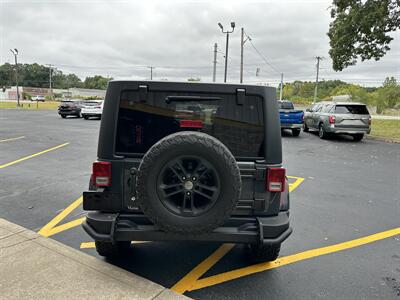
<point x="15" y="52"/>
<point x="227" y="46"/>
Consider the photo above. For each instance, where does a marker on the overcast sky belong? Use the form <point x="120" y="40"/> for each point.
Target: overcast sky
<point x="121" y="38"/>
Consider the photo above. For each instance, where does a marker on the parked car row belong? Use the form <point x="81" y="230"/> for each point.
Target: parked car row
<point x="86" y="109"/>
<point x="328" y="118"/>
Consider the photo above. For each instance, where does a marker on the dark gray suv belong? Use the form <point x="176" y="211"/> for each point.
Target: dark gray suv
<point x="338" y="118"/>
<point x="188" y="161"/>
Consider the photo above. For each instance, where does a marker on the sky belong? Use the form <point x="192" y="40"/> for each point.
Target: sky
<point x="121" y="39"/>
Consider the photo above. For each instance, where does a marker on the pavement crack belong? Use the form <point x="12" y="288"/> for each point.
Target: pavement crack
<point x="12" y="245"/>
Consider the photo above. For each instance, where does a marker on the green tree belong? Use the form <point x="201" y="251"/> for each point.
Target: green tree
<point x="96" y="82"/>
<point x="360" y="29"/>
<point x="356" y="92"/>
<point x="7" y="75"/>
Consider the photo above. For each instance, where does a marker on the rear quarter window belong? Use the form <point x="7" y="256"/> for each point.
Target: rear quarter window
<point x="142" y="123"/>
<point x="352" y="109"/>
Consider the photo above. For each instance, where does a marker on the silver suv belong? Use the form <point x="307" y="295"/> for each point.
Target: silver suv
<point x="338" y="118"/>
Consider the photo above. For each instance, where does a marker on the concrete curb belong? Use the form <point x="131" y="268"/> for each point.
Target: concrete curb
<point x="386" y="140"/>
<point x="34" y="267"/>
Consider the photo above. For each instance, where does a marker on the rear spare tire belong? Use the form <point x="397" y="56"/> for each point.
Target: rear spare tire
<point x="188" y="182"/>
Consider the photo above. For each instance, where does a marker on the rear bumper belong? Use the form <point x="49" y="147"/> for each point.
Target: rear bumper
<point x="136" y="227"/>
<point x="347" y="130"/>
<point x="291" y="126"/>
<point x="68" y="112"/>
<point x="91" y="114"/>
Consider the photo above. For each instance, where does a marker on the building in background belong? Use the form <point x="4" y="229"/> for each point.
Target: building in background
<point x="59" y="94"/>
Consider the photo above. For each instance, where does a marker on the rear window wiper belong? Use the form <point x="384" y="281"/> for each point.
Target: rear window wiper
<point x="170" y="99"/>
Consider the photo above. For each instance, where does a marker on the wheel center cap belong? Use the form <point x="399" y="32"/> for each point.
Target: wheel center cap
<point x="188" y="185"/>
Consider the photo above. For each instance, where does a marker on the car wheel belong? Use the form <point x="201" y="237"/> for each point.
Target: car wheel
<point x="295" y="132"/>
<point x="262" y="253"/>
<point x="63" y="116"/>
<point x="322" y="133"/>
<point x="86" y="117"/>
<point x="197" y="183"/>
<point x="358" y="137"/>
<point x="305" y="127"/>
<point x="108" y="249"/>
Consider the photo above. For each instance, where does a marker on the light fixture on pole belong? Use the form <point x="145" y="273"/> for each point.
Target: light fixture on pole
<point x="227" y="45"/>
<point x="15" y="52"/>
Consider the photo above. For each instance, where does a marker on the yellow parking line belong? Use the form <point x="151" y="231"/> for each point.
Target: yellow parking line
<point x="286" y="260"/>
<point x="89" y="245"/>
<point x="294" y="185"/>
<point x="50" y="228"/>
<point x="187" y="282"/>
<point x="31" y="156"/>
<point x="66" y="226"/>
<point x="12" y="139"/>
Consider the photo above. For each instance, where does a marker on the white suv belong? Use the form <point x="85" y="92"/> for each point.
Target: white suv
<point x="92" y="108"/>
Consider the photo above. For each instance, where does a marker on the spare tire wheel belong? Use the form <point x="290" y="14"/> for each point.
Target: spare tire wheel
<point x="188" y="182"/>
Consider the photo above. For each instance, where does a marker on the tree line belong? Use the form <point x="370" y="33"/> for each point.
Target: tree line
<point x="384" y="97"/>
<point x="36" y="75"/>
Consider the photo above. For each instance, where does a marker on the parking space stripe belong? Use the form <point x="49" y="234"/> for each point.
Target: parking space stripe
<point x="12" y="139"/>
<point x="187" y="282"/>
<point x="294" y="185"/>
<point x="32" y="156"/>
<point x="89" y="245"/>
<point x="286" y="260"/>
<point x="51" y="228"/>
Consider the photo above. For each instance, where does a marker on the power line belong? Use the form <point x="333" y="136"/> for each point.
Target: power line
<point x="263" y="57"/>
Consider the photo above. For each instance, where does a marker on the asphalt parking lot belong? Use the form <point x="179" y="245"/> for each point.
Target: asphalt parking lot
<point x="345" y="209"/>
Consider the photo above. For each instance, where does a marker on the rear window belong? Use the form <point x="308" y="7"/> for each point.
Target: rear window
<point x="352" y="109"/>
<point x="285" y="105"/>
<point x="92" y="103"/>
<point x="142" y="123"/>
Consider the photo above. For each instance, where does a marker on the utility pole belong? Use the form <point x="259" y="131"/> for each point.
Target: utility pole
<point x="215" y="62"/>
<point x="242" y="42"/>
<point x="227" y="46"/>
<point x="281" y="92"/>
<point x="15" y="52"/>
<point x="151" y="72"/>
<point x="316" y="80"/>
<point x="241" y="54"/>
<point x="50" y="82"/>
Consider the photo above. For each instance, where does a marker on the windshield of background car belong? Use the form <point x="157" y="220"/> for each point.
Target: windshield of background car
<point x="286" y="105"/>
<point x="143" y="123"/>
<point x="351" y="109"/>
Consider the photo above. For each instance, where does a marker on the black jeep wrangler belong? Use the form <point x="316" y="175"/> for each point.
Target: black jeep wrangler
<point x="188" y="161"/>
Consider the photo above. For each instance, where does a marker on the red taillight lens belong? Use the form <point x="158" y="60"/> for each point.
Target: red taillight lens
<point x="302" y="118"/>
<point x="102" y="173"/>
<point x="275" y="180"/>
<point x="191" y="124"/>
<point x="331" y="119"/>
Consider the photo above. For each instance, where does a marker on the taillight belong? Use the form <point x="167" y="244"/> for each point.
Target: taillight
<point x="191" y="124"/>
<point x="331" y="119"/>
<point x="302" y="118"/>
<point x="369" y="121"/>
<point x="275" y="179"/>
<point x="102" y="173"/>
